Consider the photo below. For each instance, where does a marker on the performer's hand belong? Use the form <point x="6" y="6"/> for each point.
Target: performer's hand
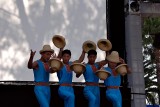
<point x="83" y="63"/>
<point x="102" y="68"/>
<point x="53" y="56"/>
<point x="53" y="70"/>
<point x="32" y="53"/>
<point x="61" y="49"/>
<point x="121" y="60"/>
<point x="128" y="70"/>
<point x="76" y="61"/>
<point x="78" y="75"/>
<point x="83" y="51"/>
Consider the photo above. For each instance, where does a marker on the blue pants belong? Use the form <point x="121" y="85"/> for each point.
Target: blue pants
<point x="92" y="94"/>
<point x="43" y="95"/>
<point x="114" y="95"/>
<point x="67" y="94"/>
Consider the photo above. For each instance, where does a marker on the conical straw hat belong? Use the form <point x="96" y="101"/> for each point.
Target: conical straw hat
<point x="103" y="74"/>
<point x="55" y="64"/>
<point x="59" y="41"/>
<point x="78" y="67"/>
<point x="121" y="69"/>
<point x="46" y="48"/>
<point x="88" y="45"/>
<point x="113" y="57"/>
<point x="104" y="45"/>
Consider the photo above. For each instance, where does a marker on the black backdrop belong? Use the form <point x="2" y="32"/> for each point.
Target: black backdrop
<point x="18" y="95"/>
<point x="116" y="30"/>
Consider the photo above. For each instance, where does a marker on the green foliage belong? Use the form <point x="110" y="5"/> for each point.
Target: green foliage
<point x="150" y="27"/>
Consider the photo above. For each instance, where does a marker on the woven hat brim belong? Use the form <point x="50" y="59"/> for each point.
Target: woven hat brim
<point x="104" y="44"/>
<point x="58" y="61"/>
<point x="112" y="59"/>
<point x="80" y="64"/>
<point x="120" y="66"/>
<point x="85" y="46"/>
<point x="58" y="41"/>
<point x="50" y="50"/>
<point x="101" y="70"/>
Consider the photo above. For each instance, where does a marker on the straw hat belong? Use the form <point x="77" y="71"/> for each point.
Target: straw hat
<point x="78" y="67"/>
<point x="88" y="45"/>
<point x="104" y="44"/>
<point x="113" y="57"/>
<point x="55" y="64"/>
<point x="59" y="41"/>
<point x="103" y="74"/>
<point x="46" y="48"/>
<point x="121" y="69"/>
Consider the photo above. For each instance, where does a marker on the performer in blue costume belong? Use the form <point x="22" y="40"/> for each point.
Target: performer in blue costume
<point x="113" y="82"/>
<point x="41" y="72"/>
<point x="91" y="90"/>
<point x="65" y="75"/>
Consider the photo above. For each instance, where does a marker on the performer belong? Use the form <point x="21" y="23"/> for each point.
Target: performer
<point x="65" y="75"/>
<point x="41" y="72"/>
<point x="113" y="82"/>
<point x="91" y="90"/>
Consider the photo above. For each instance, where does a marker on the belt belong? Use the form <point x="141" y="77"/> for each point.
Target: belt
<point x="91" y="84"/>
<point x="66" y="84"/>
<point x="42" y="83"/>
<point x="113" y="87"/>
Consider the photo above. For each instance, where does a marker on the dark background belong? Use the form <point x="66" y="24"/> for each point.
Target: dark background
<point x="21" y="94"/>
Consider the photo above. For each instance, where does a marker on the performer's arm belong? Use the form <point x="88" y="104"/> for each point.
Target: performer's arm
<point x="103" y="62"/>
<point x="81" y="58"/>
<point x="31" y="64"/>
<point x="52" y="70"/>
<point x="60" y="53"/>
<point x="123" y="62"/>
<point x="79" y="74"/>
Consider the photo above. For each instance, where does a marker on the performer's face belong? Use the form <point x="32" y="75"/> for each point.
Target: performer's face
<point x="66" y="58"/>
<point x="46" y="56"/>
<point x="112" y="64"/>
<point x="91" y="59"/>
